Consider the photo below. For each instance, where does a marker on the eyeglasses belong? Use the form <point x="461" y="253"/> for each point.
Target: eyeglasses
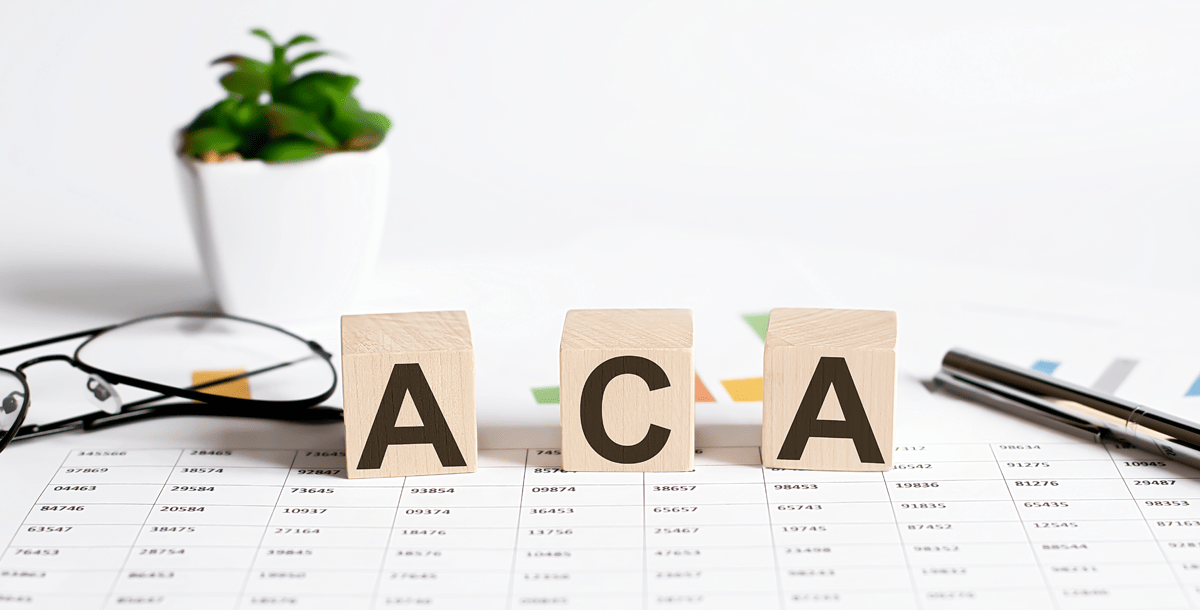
<point x="180" y="355"/>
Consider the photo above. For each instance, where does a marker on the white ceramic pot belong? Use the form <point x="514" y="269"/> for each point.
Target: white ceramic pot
<point x="288" y="240"/>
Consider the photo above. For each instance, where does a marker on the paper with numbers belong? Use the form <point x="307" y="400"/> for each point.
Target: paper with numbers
<point x="957" y="525"/>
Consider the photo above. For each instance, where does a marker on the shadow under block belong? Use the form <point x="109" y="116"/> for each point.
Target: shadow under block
<point x="627" y="390"/>
<point x="408" y="389"/>
<point x="829" y="389"/>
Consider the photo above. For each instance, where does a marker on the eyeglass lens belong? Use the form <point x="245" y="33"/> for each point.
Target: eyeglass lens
<point x="185" y="351"/>
<point x="12" y="399"/>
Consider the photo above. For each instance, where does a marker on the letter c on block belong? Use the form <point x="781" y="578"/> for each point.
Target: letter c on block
<point x="591" y="410"/>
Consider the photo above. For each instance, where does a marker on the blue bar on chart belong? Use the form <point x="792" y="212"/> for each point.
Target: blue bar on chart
<point x="1045" y="366"/>
<point x="1195" y="389"/>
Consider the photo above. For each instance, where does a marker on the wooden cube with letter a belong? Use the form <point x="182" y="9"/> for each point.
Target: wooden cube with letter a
<point x="627" y="390"/>
<point x="829" y="389"/>
<point x="408" y="389"/>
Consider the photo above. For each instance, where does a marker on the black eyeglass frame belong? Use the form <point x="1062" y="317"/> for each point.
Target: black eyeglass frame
<point x="200" y="403"/>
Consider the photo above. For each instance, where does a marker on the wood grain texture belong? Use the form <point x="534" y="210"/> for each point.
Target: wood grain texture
<point x="615" y="357"/>
<point x="440" y="343"/>
<point x="834" y="346"/>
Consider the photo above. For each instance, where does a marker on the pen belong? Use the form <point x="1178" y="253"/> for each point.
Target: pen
<point x="1067" y="407"/>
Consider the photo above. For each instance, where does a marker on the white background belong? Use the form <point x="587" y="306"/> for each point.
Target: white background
<point x="1052" y="137"/>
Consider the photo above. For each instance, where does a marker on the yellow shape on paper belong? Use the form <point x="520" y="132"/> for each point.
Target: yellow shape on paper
<point x="744" y="390"/>
<point x="238" y="388"/>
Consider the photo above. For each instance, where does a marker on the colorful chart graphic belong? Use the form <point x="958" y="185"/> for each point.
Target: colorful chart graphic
<point x="1045" y="366"/>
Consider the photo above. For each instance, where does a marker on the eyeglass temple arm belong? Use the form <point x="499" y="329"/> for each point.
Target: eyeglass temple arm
<point x="25" y="346"/>
<point x="101" y="419"/>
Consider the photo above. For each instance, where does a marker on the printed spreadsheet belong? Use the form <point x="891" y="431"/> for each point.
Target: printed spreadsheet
<point x="1028" y="525"/>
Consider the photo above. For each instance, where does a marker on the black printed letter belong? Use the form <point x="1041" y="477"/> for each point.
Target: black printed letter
<point x="591" y="410"/>
<point x="409" y="379"/>
<point x="831" y="372"/>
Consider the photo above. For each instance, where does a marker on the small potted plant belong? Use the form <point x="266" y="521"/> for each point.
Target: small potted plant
<point x="288" y="185"/>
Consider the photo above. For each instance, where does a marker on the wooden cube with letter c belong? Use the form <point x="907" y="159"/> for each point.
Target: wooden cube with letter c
<point x="627" y="390"/>
<point x="408" y="389"/>
<point x="829" y="389"/>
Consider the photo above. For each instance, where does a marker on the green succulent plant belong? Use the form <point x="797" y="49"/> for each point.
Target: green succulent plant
<point x="272" y="115"/>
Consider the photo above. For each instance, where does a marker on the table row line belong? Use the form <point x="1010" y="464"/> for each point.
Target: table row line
<point x="1161" y="513"/>
<point x="535" y="495"/>
<point x="939" y="452"/>
<point x="549" y="580"/>
<point x="1155" y="470"/>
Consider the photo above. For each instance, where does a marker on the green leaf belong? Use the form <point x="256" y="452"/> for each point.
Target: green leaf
<point x="377" y="121"/>
<point x="213" y="116"/>
<point x="289" y="148"/>
<point x="286" y="120"/>
<point x="216" y="139"/>
<point x="261" y="33"/>
<point x="321" y="93"/>
<point x="299" y="39"/>
<point x="309" y="56"/>
<point x="246" y="85"/>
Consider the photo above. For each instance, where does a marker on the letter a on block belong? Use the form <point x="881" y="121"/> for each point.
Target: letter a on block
<point x="408" y="384"/>
<point x="829" y="382"/>
<point x="627" y="390"/>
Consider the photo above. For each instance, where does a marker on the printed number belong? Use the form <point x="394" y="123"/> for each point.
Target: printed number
<point x="1035" y="483"/>
<point x="296" y="530"/>
<point x="85" y="470"/>
<point x="44" y="552"/>
<point x="50" y="528"/>
<point x="551" y="532"/>
<point x="99" y="453"/>
<point x="190" y="488"/>
<point x="62" y="508"/>
<point x="1046" y="505"/>
<point x="201" y="470"/>
<point x="551" y="511"/>
<point x="1158" y="482"/>
<point x="924" y="505"/>
<point x="549" y="452"/>
<point x="538" y="490"/>
<point x="75" y="488"/>
<point x="912" y="466"/>
<point x="312" y="490"/>
<point x="1055" y="525"/>
<point x="916" y="485"/>
<point x="181" y="509"/>
<point x="1139" y="464"/>
<point x="799" y="507"/>
<point x="674" y="488"/>
<point x="427" y="511"/>
<point x="325" y="454"/>
<point x="795" y="486"/>
<point x="547" y="470"/>
<point x="1018" y="447"/>
<point x="431" y="490"/>
<point x="676" y="509"/>
<point x="1166" y="503"/>
<point x="211" y="453"/>
<point x="320" y="472"/>
<point x="305" y="511"/>
<point x="1028" y="464"/>
<point x="676" y="530"/>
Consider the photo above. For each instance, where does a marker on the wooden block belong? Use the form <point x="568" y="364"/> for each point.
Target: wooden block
<point x="408" y="389"/>
<point x="627" y="390"/>
<point x="829" y="389"/>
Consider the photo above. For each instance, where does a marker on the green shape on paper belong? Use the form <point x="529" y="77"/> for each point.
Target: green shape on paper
<point x="546" y="396"/>
<point x="758" y="321"/>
